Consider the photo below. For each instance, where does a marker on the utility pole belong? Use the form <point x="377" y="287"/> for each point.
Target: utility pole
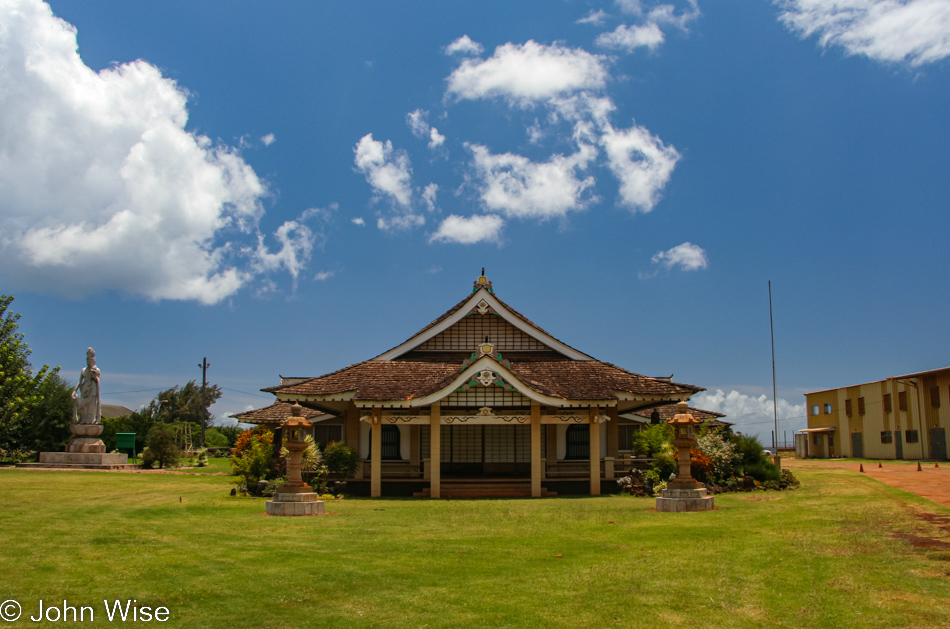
<point x="774" y="397"/>
<point x="204" y="405"/>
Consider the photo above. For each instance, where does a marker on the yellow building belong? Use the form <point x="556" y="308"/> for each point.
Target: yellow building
<point x="902" y="417"/>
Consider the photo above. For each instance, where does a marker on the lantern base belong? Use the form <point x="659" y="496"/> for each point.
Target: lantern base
<point x="294" y="504"/>
<point x="677" y="500"/>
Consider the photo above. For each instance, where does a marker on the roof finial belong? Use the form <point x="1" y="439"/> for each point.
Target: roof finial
<point x="482" y="282"/>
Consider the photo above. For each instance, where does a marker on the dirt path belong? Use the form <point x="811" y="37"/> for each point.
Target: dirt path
<point x="930" y="482"/>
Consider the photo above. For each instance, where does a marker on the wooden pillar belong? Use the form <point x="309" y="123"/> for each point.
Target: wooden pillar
<point x="613" y="432"/>
<point x="376" y="454"/>
<point x="594" y="415"/>
<point x="536" y="471"/>
<point x="435" y="451"/>
<point x="414" y="448"/>
<point x="351" y="428"/>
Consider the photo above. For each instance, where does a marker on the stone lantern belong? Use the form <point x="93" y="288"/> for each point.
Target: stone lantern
<point x="684" y="493"/>
<point x="295" y="497"/>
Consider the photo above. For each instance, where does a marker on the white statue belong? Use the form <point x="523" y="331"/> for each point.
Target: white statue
<point x="87" y="405"/>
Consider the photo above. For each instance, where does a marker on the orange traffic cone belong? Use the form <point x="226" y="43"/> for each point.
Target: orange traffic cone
<point x="879" y="464"/>
<point x="862" y="468"/>
<point x="936" y="464"/>
<point x="918" y="467"/>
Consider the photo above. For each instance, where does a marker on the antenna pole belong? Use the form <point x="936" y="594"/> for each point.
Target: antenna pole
<point x="774" y="396"/>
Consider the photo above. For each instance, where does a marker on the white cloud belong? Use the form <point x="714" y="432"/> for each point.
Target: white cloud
<point x="516" y="186"/>
<point x="648" y="34"/>
<point x="358" y="221"/>
<point x="642" y="164"/>
<point x="525" y="73"/>
<point x="417" y="123"/>
<point x="420" y="128"/>
<point x="686" y="256"/>
<point x="750" y="414"/>
<point x="628" y="38"/>
<point x="387" y="170"/>
<point x="464" y="46"/>
<point x="296" y="244"/>
<point x="400" y="222"/>
<point x="595" y="18"/>
<point x="322" y="276"/>
<point x="268" y="139"/>
<point x="428" y="195"/>
<point x="103" y="188"/>
<point x="666" y="14"/>
<point x="436" y="139"/>
<point x="633" y="7"/>
<point x="915" y="32"/>
<point x="471" y="230"/>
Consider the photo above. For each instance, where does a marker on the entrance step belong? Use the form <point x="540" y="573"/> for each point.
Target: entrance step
<point x="500" y="489"/>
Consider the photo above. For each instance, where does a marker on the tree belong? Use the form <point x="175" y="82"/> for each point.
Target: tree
<point x="175" y="405"/>
<point x="161" y="446"/>
<point x="19" y="386"/>
<point x="48" y="430"/>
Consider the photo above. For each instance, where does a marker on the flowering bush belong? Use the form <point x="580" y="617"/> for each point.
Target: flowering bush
<point x="701" y="466"/>
<point x="721" y="453"/>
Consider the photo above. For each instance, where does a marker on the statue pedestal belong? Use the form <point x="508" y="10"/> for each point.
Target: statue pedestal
<point x="85" y="451"/>
<point x="307" y="503"/>
<point x="87" y="439"/>
<point x="676" y="500"/>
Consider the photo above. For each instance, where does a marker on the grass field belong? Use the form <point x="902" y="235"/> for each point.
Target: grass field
<point x="839" y="552"/>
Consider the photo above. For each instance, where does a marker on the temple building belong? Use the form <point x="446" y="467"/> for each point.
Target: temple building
<point x="481" y="401"/>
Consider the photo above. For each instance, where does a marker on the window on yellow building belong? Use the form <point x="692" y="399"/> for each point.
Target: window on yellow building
<point x="815" y="410"/>
<point x="887" y="402"/>
<point x="935" y="397"/>
<point x="816" y="439"/>
<point x="860" y="406"/>
<point x="847" y="407"/>
<point x="910" y="436"/>
<point x="887" y="436"/>
<point x="828" y="408"/>
<point x="902" y="400"/>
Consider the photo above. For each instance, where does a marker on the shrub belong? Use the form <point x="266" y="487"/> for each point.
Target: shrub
<point x="246" y="439"/>
<point x="762" y="471"/>
<point x="701" y="466"/>
<point x="161" y="446"/>
<point x="340" y="459"/>
<point x="653" y="439"/>
<point x="252" y="464"/>
<point x="721" y="452"/>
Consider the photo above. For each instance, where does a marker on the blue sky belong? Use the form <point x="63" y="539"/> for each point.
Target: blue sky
<point x="288" y="188"/>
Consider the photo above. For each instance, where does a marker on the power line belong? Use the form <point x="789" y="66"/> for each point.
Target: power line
<point x="245" y="392"/>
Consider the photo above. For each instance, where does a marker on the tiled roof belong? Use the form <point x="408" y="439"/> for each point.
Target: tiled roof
<point x="668" y="410"/>
<point x="403" y="380"/>
<point x="378" y="380"/>
<point x="593" y="380"/>
<point x="273" y="414"/>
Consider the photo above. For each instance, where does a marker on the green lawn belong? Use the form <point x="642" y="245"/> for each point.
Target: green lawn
<point x="835" y="553"/>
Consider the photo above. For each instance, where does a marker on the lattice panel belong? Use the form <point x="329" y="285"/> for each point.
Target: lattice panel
<point x="477" y="397"/>
<point x="472" y="330"/>
<point x="497" y="444"/>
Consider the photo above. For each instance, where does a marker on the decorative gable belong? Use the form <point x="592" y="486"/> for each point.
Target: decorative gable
<point x="474" y="329"/>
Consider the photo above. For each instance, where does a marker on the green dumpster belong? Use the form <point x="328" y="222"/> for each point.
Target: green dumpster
<point x="125" y="441"/>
